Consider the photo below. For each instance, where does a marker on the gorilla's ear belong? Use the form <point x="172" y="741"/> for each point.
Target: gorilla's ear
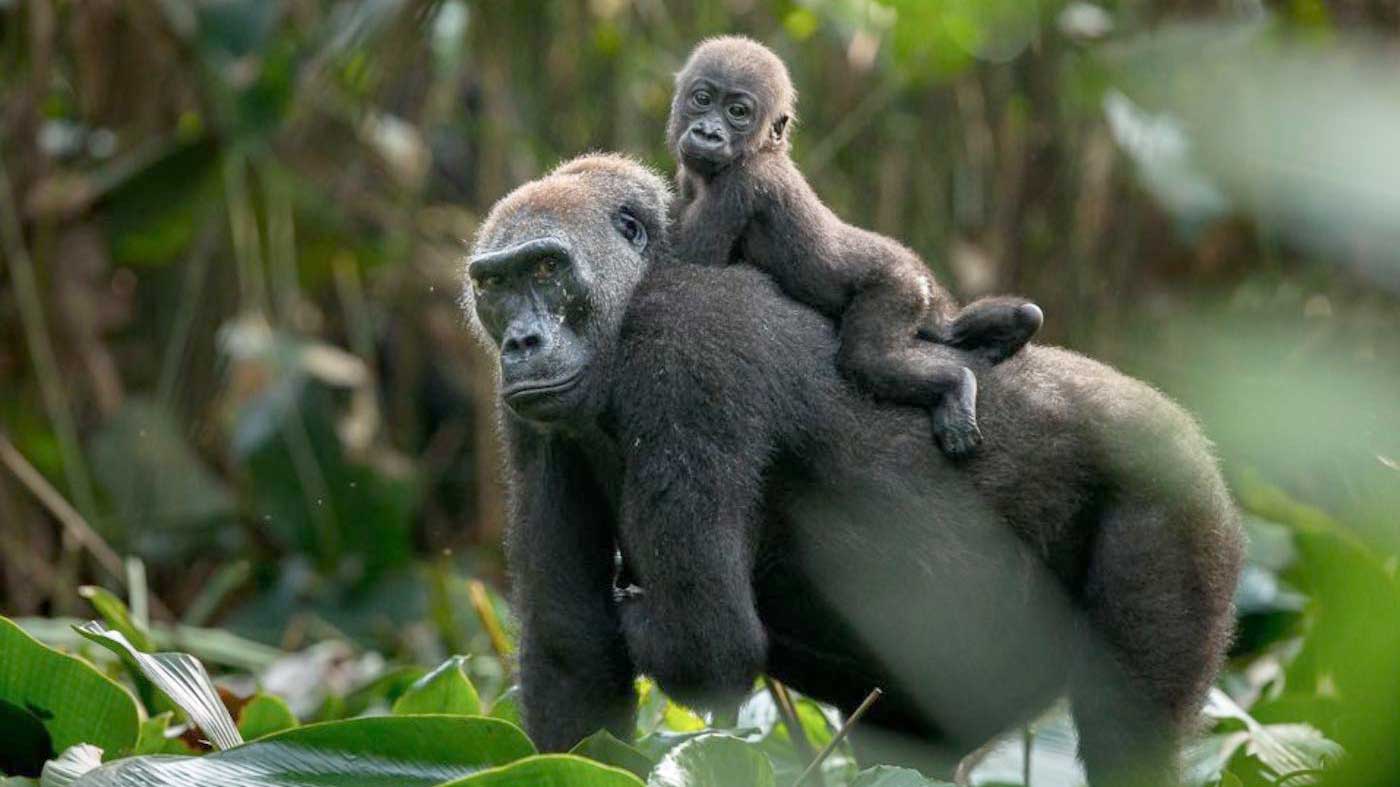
<point x="779" y="127"/>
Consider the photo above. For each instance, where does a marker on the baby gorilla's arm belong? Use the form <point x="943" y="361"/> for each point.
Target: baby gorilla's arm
<point x="710" y="226"/>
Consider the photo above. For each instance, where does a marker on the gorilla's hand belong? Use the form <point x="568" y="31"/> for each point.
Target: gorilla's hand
<point x="705" y="667"/>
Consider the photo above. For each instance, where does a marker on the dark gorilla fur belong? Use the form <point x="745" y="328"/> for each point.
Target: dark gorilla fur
<point x="780" y="521"/>
<point x="743" y="198"/>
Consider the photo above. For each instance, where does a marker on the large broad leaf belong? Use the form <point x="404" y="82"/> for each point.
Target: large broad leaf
<point x="444" y="690"/>
<point x="74" y="702"/>
<point x="554" y="770"/>
<point x="180" y="677"/>
<point x="890" y="776"/>
<point x="713" y="761"/>
<point x="602" y="747"/>
<point x="381" y="751"/>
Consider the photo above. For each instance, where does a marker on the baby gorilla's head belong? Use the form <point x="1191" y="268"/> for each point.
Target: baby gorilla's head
<point x="733" y="99"/>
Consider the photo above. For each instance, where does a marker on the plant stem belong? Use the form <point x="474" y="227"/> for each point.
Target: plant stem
<point x="840" y="736"/>
<point x="36" y="335"/>
<point x="481" y="602"/>
<point x="788" y="711"/>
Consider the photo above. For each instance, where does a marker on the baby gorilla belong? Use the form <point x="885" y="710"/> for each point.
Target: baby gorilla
<point x="742" y="198"/>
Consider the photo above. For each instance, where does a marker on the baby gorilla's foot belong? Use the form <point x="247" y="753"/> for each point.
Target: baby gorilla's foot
<point x="956" y="431"/>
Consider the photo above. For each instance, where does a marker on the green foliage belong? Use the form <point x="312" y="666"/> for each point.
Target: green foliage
<point x="426" y="750"/>
<point x="713" y="760"/>
<point x="603" y="747"/>
<point x="263" y="715"/>
<point x="73" y="701"/>
<point x="245" y="219"/>
<point x="551" y="770"/>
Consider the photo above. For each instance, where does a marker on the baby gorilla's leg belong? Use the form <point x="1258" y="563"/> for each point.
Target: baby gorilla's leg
<point x="994" y="328"/>
<point x="880" y="349"/>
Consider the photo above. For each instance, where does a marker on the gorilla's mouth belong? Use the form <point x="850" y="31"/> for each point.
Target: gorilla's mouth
<point x="706" y="158"/>
<point x="532" y="390"/>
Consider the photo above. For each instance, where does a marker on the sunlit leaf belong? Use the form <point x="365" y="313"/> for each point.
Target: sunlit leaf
<point x="1283" y="748"/>
<point x="713" y="760"/>
<point x="381" y="751"/>
<point x="553" y="770"/>
<point x="444" y="690"/>
<point x="68" y="767"/>
<point x="181" y="677"/>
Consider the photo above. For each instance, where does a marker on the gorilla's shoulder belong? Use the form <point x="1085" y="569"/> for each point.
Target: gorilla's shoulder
<point x="736" y="307"/>
<point x="731" y="335"/>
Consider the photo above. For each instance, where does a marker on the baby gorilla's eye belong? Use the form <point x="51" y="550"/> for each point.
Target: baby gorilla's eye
<point x="485" y="283"/>
<point x="546" y="268"/>
<point x="738" y="111"/>
<point x="701" y="98"/>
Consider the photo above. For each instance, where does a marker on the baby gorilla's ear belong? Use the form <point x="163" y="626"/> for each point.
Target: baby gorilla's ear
<point x="780" y="127"/>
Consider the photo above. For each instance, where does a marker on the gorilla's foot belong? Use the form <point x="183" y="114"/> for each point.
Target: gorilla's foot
<point x="955" y="431"/>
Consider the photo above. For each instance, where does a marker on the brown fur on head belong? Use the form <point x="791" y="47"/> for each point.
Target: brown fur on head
<point x="726" y="68"/>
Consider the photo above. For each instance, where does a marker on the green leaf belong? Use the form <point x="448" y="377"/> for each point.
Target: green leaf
<point x="603" y="747"/>
<point x="553" y="770"/>
<point x="180" y="677"/>
<point x="263" y="715"/>
<point x="26" y="744"/>
<point x="379" y="751"/>
<point x="890" y="776"/>
<point x="114" y="611"/>
<point x="713" y="761"/>
<point x="1283" y="748"/>
<point x="75" y="702"/>
<point x="507" y="706"/>
<point x="444" y="690"/>
<point x="71" y="765"/>
<point x="153" y="739"/>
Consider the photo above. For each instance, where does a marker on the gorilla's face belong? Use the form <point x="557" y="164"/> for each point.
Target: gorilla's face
<point x="553" y="269"/>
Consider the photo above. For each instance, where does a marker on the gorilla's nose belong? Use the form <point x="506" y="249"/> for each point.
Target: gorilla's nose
<point x="709" y="137"/>
<point x="520" y="345"/>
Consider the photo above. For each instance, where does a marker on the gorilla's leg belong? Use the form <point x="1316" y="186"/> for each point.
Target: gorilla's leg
<point x="575" y="673"/>
<point x="879" y="348"/>
<point x="689" y="527"/>
<point x="1161" y="620"/>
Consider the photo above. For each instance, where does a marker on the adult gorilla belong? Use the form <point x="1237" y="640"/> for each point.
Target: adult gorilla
<point x="778" y="520"/>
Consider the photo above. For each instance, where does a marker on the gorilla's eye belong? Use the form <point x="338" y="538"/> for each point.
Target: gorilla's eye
<point x="738" y="111"/>
<point x="701" y="97"/>
<point x="485" y="283"/>
<point x="630" y="228"/>
<point x="546" y="268"/>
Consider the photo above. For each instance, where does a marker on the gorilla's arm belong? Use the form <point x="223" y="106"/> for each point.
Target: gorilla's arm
<point x="688" y="530"/>
<point x="575" y="674"/>
<point x="707" y="230"/>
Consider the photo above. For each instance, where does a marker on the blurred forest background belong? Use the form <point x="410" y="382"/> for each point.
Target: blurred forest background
<point x="232" y="233"/>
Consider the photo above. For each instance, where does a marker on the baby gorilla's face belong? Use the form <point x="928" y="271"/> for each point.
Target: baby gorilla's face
<point x="733" y="99"/>
<point x="719" y="118"/>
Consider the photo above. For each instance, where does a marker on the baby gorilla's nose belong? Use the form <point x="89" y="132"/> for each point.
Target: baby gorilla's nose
<point x="706" y="135"/>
